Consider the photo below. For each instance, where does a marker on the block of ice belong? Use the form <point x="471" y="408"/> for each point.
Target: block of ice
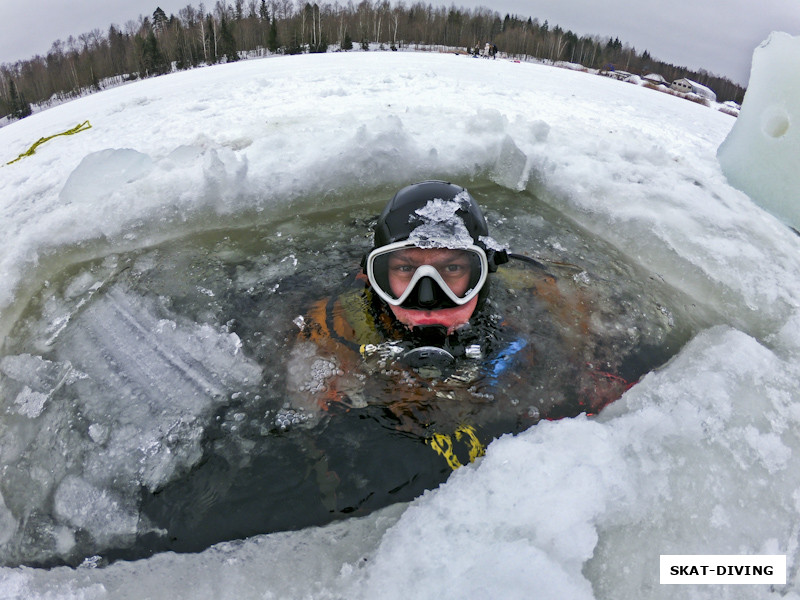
<point x="100" y="511"/>
<point x="81" y="441"/>
<point x="761" y="155"/>
<point x="40" y="374"/>
<point x="30" y="403"/>
<point x="31" y="381"/>
<point x="100" y="173"/>
<point x="8" y="523"/>
<point x="511" y="168"/>
<point x="165" y="375"/>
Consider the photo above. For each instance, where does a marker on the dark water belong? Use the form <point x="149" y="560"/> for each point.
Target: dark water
<point x="155" y="386"/>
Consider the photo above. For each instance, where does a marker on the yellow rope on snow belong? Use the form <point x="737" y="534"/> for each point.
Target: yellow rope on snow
<point x="77" y="129"/>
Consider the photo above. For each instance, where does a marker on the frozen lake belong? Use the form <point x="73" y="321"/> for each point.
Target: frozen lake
<point x="177" y="236"/>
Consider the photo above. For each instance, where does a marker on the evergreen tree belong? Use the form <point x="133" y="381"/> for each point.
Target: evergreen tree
<point x="95" y="82"/>
<point x="211" y="40"/>
<point x="347" y="43"/>
<point x="320" y="47"/>
<point x="228" y="44"/>
<point x="20" y="108"/>
<point x="272" y="41"/>
<point x="295" y="47"/>
<point x="159" y="20"/>
<point x="13" y="98"/>
<point x="153" y="61"/>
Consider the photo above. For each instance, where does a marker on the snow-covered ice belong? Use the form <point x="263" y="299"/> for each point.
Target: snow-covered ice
<point x="697" y="458"/>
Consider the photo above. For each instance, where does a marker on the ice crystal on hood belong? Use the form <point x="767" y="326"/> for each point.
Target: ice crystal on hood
<point x="441" y="226"/>
<point x="491" y="243"/>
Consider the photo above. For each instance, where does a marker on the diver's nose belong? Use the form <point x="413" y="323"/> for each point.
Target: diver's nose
<point x="426" y="293"/>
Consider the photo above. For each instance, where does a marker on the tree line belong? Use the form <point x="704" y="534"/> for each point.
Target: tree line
<point x="158" y="44"/>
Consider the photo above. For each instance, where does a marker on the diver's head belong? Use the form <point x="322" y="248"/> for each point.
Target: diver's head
<point x="431" y="263"/>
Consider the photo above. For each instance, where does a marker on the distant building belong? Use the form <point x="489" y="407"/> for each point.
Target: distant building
<point x="621" y="75"/>
<point x="655" y="79"/>
<point x="687" y="86"/>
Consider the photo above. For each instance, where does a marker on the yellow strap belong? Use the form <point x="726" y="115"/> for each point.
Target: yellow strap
<point x="443" y="445"/>
<point x="476" y="449"/>
<point x="77" y="129"/>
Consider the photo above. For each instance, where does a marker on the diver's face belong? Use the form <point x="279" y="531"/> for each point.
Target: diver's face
<point x="454" y="268"/>
<point x="452" y="318"/>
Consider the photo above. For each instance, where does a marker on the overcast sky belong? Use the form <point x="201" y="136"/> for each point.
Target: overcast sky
<point x="717" y="35"/>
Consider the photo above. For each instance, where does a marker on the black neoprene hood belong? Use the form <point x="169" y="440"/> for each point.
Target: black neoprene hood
<point x="399" y="218"/>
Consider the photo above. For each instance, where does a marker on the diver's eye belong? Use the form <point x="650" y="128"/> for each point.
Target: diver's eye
<point x="404" y="269"/>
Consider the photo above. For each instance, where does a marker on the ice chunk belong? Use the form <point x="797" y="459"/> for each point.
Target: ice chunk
<point x="8" y="523"/>
<point x="101" y="172"/>
<point x="40" y="374"/>
<point x="722" y="434"/>
<point x="32" y="380"/>
<point x="132" y="414"/>
<point x="787" y="339"/>
<point x="98" y="433"/>
<point x="441" y="227"/>
<point x="98" y="510"/>
<point x="441" y="211"/>
<point x="122" y="344"/>
<point x="511" y="168"/>
<point x="491" y="243"/>
<point x="761" y="155"/>
<point x="165" y="375"/>
<point x="30" y="403"/>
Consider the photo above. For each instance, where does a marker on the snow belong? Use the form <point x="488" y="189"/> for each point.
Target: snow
<point x="696" y="458"/>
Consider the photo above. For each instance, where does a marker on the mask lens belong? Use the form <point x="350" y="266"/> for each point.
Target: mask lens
<point x="398" y="272"/>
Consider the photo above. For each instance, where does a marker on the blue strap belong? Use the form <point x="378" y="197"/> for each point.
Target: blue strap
<point x="506" y="356"/>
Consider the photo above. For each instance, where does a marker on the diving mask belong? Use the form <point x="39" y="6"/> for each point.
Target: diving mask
<point x="403" y="274"/>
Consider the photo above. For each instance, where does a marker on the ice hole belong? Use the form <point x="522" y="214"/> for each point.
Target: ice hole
<point x="197" y="341"/>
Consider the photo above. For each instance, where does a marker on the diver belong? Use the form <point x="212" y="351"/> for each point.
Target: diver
<point x="417" y="333"/>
